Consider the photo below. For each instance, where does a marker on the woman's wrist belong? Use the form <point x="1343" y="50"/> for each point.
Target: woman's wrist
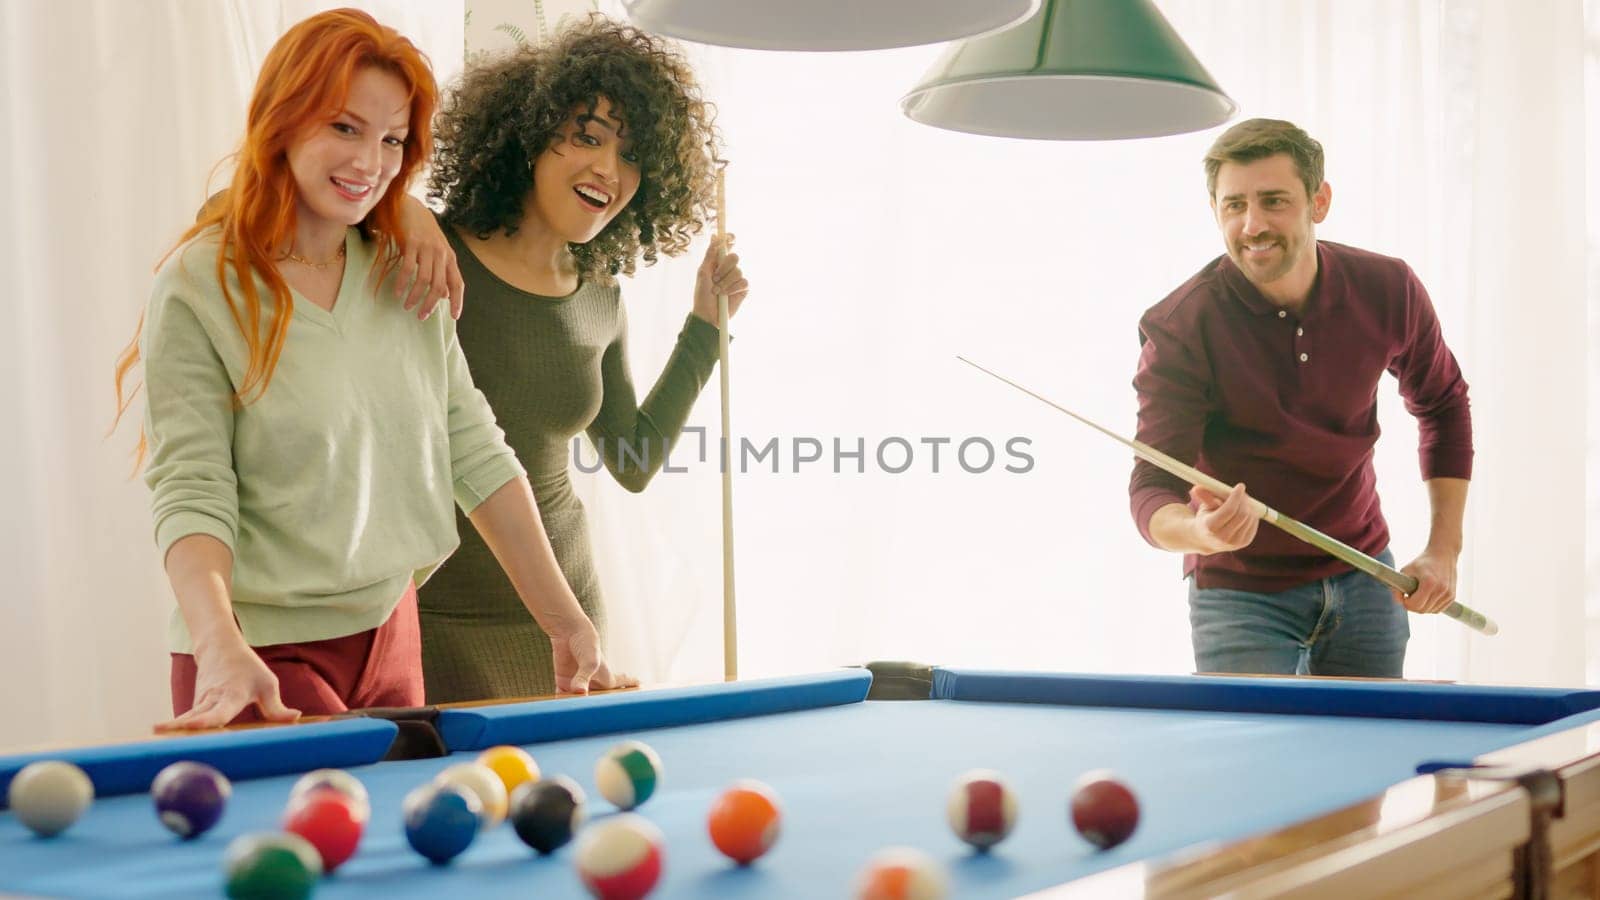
<point x="218" y="642"/>
<point x="569" y="620"/>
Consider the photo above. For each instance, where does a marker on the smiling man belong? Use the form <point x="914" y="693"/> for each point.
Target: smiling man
<point x="1263" y="369"/>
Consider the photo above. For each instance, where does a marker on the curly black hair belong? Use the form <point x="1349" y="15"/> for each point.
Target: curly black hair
<point x="506" y="110"/>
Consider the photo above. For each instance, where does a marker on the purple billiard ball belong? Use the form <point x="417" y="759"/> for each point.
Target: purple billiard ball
<point x="190" y="797"/>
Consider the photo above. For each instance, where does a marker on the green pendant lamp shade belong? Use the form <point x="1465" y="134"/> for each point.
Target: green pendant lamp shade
<point x="1078" y="70"/>
<point x="825" y="24"/>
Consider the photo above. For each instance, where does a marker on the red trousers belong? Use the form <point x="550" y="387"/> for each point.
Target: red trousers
<point x="378" y="667"/>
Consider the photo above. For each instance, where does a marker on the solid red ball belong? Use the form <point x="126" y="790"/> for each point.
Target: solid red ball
<point x="1104" y="810"/>
<point x="330" y="821"/>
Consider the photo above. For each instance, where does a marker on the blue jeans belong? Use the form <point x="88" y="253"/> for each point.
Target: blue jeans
<point x="1349" y="624"/>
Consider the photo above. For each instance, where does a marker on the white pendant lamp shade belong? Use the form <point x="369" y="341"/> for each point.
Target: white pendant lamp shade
<point x="825" y="24"/>
<point x="1078" y="70"/>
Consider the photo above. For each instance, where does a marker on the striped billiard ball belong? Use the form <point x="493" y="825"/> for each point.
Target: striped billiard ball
<point x="982" y="808"/>
<point x="620" y="858"/>
<point x="628" y="774"/>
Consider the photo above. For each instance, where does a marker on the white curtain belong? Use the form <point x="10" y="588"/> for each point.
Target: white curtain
<point x="1591" y="81"/>
<point x="879" y="249"/>
<point x="1525" y="312"/>
<point x="114" y="115"/>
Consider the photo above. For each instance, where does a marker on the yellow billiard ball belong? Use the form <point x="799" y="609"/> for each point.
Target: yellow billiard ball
<point x="513" y="764"/>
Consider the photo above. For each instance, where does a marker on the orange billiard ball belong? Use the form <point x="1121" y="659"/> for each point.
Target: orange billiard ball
<point x="902" y="873"/>
<point x="744" y="822"/>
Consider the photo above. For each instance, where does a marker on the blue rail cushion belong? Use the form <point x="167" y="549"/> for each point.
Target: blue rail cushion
<point x="1284" y="696"/>
<point x="553" y="720"/>
<point x="250" y="753"/>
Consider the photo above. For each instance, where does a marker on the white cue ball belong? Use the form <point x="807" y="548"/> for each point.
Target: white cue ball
<point x="336" y="780"/>
<point x="48" y="796"/>
<point x="482" y="781"/>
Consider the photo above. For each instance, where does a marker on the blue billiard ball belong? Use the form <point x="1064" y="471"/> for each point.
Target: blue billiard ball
<point x="190" y="797"/>
<point x="441" y="820"/>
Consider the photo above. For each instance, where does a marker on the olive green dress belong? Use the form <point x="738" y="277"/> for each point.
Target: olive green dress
<point x="550" y="368"/>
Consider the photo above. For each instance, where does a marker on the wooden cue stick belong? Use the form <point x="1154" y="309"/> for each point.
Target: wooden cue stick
<point x="1400" y="581"/>
<point x="730" y="621"/>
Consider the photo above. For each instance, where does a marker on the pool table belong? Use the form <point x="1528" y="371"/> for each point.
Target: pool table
<point x="1251" y="786"/>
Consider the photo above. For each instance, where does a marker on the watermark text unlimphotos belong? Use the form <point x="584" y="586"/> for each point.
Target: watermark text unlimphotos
<point x="892" y="455"/>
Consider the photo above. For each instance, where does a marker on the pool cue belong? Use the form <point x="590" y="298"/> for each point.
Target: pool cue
<point x="730" y="619"/>
<point x="1400" y="581"/>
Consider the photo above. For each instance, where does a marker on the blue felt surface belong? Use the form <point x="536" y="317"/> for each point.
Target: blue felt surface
<point x="480" y="727"/>
<point x="853" y="778"/>
<point x="253" y="753"/>
<point x="1385" y="699"/>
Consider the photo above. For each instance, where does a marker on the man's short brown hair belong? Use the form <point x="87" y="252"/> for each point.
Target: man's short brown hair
<point x="1255" y="139"/>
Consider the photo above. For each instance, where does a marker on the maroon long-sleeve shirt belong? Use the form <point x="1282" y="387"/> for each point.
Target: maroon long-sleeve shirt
<point x="1287" y="404"/>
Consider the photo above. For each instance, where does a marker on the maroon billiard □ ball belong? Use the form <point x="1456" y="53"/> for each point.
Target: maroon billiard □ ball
<point x="620" y="858"/>
<point x="982" y="808"/>
<point x="190" y="797"/>
<point x="1104" y="811"/>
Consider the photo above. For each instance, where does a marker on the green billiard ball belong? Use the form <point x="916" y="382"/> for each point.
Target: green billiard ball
<point x="271" y="866"/>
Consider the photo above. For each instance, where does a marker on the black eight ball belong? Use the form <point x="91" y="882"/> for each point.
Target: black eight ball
<point x="547" y="812"/>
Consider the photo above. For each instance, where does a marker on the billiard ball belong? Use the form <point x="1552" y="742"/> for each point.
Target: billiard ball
<point x="1104" y="811"/>
<point x="49" y="795"/>
<point x="330" y="821"/>
<point x="744" y="821"/>
<point x="620" y="858"/>
<point x="270" y="866"/>
<point x="546" y="814"/>
<point x="441" y="820"/>
<point x="480" y="780"/>
<point x="339" y="780"/>
<point x="627" y="774"/>
<point x="190" y="797"/>
<point x="982" y="808"/>
<point x="902" y="873"/>
<point x="513" y="764"/>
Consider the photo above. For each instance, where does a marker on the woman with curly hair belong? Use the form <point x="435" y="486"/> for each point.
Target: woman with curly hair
<point x="559" y="167"/>
<point x="301" y="481"/>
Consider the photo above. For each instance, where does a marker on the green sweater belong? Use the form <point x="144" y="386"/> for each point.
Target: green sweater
<point x="334" y="488"/>
<point x="552" y="367"/>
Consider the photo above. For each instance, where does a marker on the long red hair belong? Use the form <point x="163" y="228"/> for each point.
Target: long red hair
<point x="303" y="85"/>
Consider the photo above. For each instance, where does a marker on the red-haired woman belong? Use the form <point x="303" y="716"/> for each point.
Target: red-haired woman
<point x="306" y="441"/>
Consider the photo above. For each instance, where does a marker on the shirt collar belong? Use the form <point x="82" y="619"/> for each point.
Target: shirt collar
<point x="1328" y="276"/>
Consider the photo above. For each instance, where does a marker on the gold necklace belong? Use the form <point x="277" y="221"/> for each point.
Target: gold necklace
<point x="294" y="257"/>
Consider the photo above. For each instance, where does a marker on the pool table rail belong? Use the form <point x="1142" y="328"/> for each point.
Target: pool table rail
<point x="128" y="768"/>
<point x="1406" y="842"/>
<point x="1573" y="755"/>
